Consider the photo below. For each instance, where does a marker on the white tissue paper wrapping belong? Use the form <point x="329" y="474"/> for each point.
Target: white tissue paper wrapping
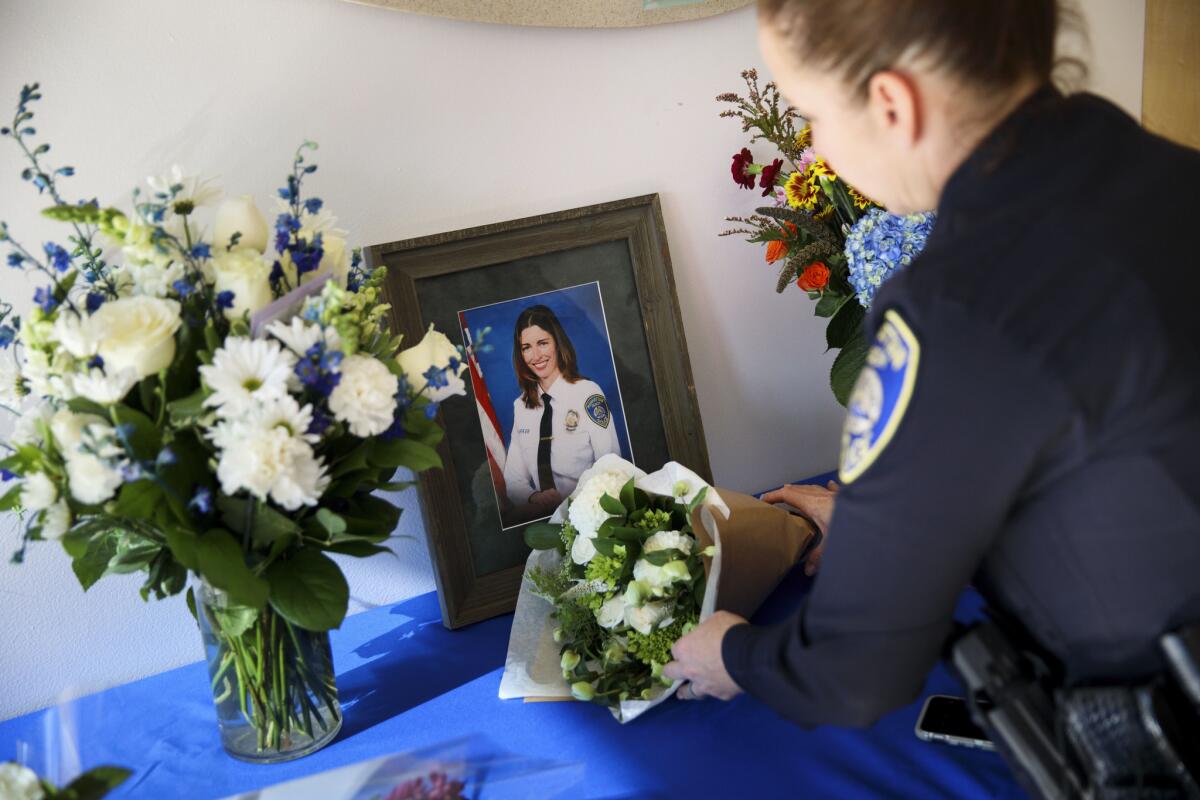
<point x="532" y="668"/>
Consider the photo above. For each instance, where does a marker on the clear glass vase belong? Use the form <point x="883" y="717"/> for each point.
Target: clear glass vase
<point x="272" y="682"/>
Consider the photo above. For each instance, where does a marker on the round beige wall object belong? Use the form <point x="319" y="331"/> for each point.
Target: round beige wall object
<point x="567" y="13"/>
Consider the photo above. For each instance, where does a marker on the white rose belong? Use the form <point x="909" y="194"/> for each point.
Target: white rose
<point x="240" y="215"/>
<point x="434" y="351"/>
<point x="657" y="578"/>
<point x="138" y="333"/>
<point x="38" y="492"/>
<point x="612" y="613"/>
<point x="643" y="618"/>
<point x="245" y="273"/>
<point x="365" y="397"/>
<point x="667" y="540"/>
<point x="19" y="783"/>
<point x="583" y="550"/>
<point x="335" y="258"/>
<point x="56" y="520"/>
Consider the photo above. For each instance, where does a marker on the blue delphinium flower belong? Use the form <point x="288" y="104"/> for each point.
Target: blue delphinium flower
<point x="94" y="301"/>
<point x="184" y="287"/>
<point x="285" y="226"/>
<point x="318" y="370"/>
<point x="201" y="251"/>
<point x="7" y="335"/>
<point x="60" y="259"/>
<point x="15" y="260"/>
<point x="202" y="501"/>
<point x="96" y="362"/>
<point x="44" y="298"/>
<point x="224" y="300"/>
<point x="313" y="205"/>
<point x="881" y="243"/>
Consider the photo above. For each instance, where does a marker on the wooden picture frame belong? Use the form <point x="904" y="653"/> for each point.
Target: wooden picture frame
<point x="624" y="244"/>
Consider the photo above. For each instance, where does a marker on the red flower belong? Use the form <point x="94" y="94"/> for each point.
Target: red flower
<point x="814" y="278"/>
<point x="769" y="174"/>
<point x="741" y="161"/>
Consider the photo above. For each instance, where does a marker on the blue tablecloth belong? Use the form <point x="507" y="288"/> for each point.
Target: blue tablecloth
<point x="406" y="682"/>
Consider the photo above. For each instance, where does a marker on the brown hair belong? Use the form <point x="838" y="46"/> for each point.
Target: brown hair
<point x="992" y="44"/>
<point x="544" y="318"/>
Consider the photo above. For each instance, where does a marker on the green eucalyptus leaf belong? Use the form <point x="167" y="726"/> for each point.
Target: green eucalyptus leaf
<point x="309" y="590"/>
<point x="331" y="522"/>
<point x="234" y="620"/>
<point x="144" y="436"/>
<point x="11" y="499"/>
<point x="408" y="453"/>
<point x="544" y="536"/>
<point x="357" y="548"/>
<point x="186" y="410"/>
<point x="266" y="524"/>
<point x="607" y="547"/>
<point x="830" y="303"/>
<point x="612" y="505"/>
<point x="628" y="498"/>
<point x="628" y="534"/>
<point x="191" y="604"/>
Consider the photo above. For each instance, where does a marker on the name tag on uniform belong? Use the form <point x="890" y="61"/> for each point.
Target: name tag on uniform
<point x="523" y="431"/>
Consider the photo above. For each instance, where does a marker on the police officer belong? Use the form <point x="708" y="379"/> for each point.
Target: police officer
<point x="561" y="421"/>
<point x="1029" y="417"/>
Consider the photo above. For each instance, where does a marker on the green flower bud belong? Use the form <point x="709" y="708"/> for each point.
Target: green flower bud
<point x="558" y="635"/>
<point x="636" y="592"/>
<point x="614" y="653"/>
<point x="677" y="570"/>
<point x="709" y="551"/>
<point x="583" y="691"/>
<point x="681" y="488"/>
<point x="569" y="661"/>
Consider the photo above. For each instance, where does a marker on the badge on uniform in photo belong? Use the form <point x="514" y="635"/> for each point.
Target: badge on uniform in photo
<point x="597" y="408"/>
<point x="880" y="397"/>
<point x="572" y="420"/>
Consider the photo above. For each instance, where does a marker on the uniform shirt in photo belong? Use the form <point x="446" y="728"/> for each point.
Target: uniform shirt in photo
<point x="583" y="431"/>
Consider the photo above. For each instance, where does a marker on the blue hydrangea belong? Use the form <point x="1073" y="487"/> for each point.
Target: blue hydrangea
<point x="881" y="243"/>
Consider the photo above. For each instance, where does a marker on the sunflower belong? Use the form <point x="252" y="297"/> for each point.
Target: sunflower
<point x="804" y="138"/>
<point x="861" y="201"/>
<point x="802" y="191"/>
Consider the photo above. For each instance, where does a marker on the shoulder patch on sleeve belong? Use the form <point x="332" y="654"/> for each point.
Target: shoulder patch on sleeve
<point x="880" y="396"/>
<point x="597" y="408"/>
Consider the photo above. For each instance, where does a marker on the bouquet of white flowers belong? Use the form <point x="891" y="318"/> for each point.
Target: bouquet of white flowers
<point x="629" y="564"/>
<point x="222" y="402"/>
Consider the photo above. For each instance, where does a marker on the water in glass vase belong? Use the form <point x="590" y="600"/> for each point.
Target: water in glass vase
<point x="272" y="682"/>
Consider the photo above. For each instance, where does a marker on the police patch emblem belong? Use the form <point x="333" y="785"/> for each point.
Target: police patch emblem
<point x="880" y="396"/>
<point x="597" y="408"/>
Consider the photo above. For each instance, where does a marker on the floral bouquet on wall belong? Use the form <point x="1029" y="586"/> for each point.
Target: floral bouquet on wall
<point x="833" y="242"/>
<point x="625" y="567"/>
<point x="222" y="402"/>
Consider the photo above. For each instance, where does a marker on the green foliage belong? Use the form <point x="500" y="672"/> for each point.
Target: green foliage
<point x="655" y="647"/>
<point x="847" y="366"/>
<point x="846" y="323"/>
<point x="544" y="536"/>
<point x="309" y="590"/>
<point x="91" y="785"/>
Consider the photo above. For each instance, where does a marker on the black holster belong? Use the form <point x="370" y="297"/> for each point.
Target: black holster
<point x="1102" y="742"/>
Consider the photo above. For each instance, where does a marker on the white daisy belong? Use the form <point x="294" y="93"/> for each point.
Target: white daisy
<point x="284" y="413"/>
<point x="246" y="372"/>
<point x="299" y="336"/>
<point x="12" y="396"/>
<point x="103" y="387"/>
<point x="365" y="397"/>
<point x="181" y="188"/>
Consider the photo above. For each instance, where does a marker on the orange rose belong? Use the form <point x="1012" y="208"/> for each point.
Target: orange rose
<point x="814" y="278"/>
<point x="776" y="250"/>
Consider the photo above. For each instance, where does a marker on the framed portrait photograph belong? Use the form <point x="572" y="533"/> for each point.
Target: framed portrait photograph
<point x="575" y="349"/>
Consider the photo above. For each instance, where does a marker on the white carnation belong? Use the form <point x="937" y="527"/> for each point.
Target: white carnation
<point x="585" y="512"/>
<point x="67" y="428"/>
<point x="246" y="372"/>
<point x="25" y="431"/>
<point x="272" y="464"/>
<point x="150" y="278"/>
<point x="365" y="397"/>
<point x="38" y="492"/>
<point x="56" y="520"/>
<point x="658" y="579"/>
<point x="92" y="480"/>
<point x="19" y="783"/>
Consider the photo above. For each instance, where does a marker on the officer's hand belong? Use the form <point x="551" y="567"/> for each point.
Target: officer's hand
<point x="698" y="660"/>
<point x="816" y="504"/>
<point x="550" y="498"/>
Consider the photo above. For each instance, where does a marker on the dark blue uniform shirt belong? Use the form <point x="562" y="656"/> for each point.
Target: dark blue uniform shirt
<point x="1046" y="443"/>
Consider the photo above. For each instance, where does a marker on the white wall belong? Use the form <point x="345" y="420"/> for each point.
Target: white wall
<point x="425" y="125"/>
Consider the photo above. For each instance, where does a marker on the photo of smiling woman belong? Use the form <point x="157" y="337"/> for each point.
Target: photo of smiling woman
<point x="561" y="420"/>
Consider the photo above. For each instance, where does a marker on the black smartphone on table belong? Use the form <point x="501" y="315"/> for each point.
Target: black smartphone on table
<point x="947" y="719"/>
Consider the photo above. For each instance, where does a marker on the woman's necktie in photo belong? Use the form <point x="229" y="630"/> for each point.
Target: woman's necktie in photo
<point x="545" y="474"/>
